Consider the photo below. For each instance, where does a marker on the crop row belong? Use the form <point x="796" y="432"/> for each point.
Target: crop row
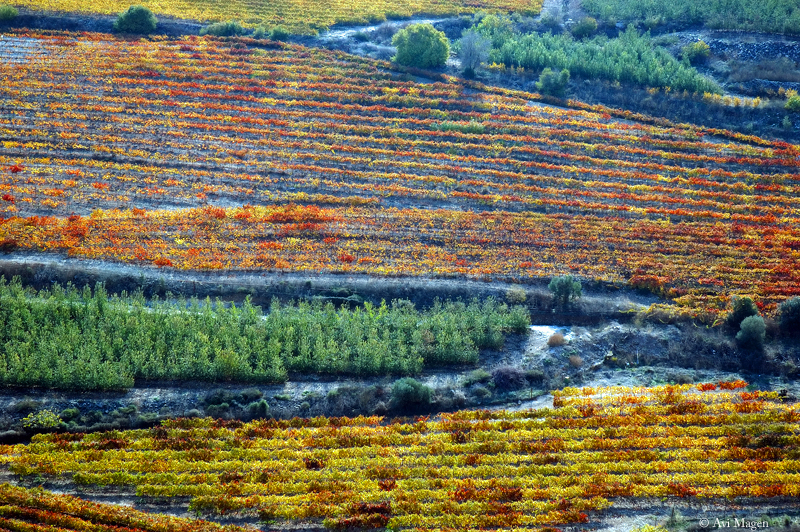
<point x="31" y="510"/>
<point x="694" y="263"/>
<point x="505" y="469"/>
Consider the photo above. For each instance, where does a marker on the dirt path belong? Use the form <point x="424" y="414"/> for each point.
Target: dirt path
<point x="41" y="270"/>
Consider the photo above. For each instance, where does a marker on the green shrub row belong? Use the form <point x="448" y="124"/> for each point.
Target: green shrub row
<point x="631" y="58"/>
<point x="65" y="338"/>
<point x="774" y="16"/>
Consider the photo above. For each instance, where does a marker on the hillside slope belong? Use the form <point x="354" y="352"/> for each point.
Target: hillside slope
<point x="250" y="155"/>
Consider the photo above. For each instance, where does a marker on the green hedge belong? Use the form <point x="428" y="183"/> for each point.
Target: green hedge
<point x="65" y="338"/>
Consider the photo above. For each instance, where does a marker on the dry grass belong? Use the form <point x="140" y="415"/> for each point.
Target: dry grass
<point x="556" y="340"/>
<point x="781" y="69"/>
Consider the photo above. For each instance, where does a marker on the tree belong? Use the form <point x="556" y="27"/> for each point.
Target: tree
<point x="552" y="83"/>
<point x="789" y="312"/>
<point x="137" y="19"/>
<point x="792" y="101"/>
<point x="8" y="12"/>
<point x="421" y="45"/>
<point x="752" y="333"/>
<point x="498" y="28"/>
<point x="743" y="307"/>
<point x="474" y="51"/>
<point x="565" y="289"/>
<point x="697" y="52"/>
<point x="408" y="393"/>
<point x="585" y="27"/>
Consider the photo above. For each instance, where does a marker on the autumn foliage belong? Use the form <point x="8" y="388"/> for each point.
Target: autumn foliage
<point x="468" y="470"/>
<point x="299" y="159"/>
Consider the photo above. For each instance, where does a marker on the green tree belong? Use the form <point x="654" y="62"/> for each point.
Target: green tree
<point x="789" y="315"/>
<point x="421" y="45"/>
<point x="553" y="83"/>
<point x="565" y="289"/>
<point x="279" y="33"/>
<point x="498" y="28"/>
<point x="743" y="307"/>
<point x="696" y="53"/>
<point x="137" y="19"/>
<point x="792" y="101"/>
<point x="8" y="12"/>
<point x="584" y="28"/>
<point x="410" y="394"/>
<point x="752" y="333"/>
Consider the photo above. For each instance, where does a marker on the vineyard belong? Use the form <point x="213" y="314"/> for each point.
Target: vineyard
<point x="469" y="470"/>
<point x="277" y="157"/>
<point x="22" y="509"/>
<point x="297" y="15"/>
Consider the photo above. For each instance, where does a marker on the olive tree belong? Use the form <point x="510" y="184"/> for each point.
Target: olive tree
<point x="137" y="19"/>
<point x="421" y="45"/>
<point x="565" y="289"/>
<point x="474" y="51"/>
<point x="553" y="83"/>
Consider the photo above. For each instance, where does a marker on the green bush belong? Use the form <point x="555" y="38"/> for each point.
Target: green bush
<point x="553" y="83"/>
<point x="792" y="23"/>
<point x="477" y="376"/>
<point x="789" y="316"/>
<point x="565" y="289"/>
<point x="250" y="394"/>
<point x="279" y="33"/>
<point x="741" y="308"/>
<point x="136" y="20"/>
<point x="8" y="12"/>
<point x="497" y="28"/>
<point x="752" y="333"/>
<point x="696" y="53"/>
<point x="410" y="393"/>
<point x="229" y="28"/>
<point x="218" y="411"/>
<point x="422" y="46"/>
<point x="516" y="295"/>
<point x="70" y="414"/>
<point x="258" y="409"/>
<point x="43" y="419"/>
<point x="792" y="102"/>
<point x="584" y="28"/>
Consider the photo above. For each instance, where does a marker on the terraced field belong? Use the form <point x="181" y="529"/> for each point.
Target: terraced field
<point x="248" y="155"/>
<point x="296" y="15"/>
<point x="470" y="470"/>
